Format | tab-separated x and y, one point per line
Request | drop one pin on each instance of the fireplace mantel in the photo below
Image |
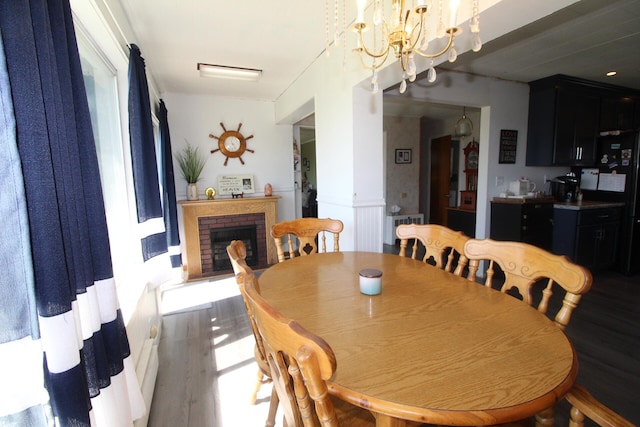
193	210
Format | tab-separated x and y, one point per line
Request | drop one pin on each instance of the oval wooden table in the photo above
432	347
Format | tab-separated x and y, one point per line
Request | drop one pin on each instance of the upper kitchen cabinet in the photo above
619	112
563	122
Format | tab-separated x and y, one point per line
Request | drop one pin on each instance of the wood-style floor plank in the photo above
207	369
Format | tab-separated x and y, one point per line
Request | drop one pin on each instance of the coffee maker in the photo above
565	187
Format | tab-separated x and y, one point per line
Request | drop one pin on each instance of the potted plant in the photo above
191	163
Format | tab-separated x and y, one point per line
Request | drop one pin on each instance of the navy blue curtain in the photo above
143	157
169	189
67	224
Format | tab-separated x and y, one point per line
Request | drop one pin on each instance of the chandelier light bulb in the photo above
412	78
360	5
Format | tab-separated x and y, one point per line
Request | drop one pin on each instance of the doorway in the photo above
305	167
440	188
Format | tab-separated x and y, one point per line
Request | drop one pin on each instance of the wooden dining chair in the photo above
303	236
441	244
584	405
301	363
524	266
237	254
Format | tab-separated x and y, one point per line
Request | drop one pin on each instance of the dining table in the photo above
432	347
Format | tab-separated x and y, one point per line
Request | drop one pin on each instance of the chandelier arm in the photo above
451	32
404	65
362	48
374	67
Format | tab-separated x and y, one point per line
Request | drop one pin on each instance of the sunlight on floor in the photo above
190	296
237	369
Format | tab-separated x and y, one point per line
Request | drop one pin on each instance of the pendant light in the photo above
464	127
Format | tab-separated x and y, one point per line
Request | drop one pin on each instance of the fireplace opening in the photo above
220	239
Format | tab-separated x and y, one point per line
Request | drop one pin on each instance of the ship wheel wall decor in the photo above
232	143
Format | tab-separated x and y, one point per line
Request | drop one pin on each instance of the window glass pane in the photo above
101	86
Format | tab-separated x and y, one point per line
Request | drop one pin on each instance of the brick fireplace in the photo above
217	231
201	217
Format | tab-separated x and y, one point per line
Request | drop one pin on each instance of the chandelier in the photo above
406	33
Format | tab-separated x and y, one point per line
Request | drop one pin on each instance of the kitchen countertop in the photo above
523	200
586	204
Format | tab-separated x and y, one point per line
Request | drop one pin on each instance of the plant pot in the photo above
192	192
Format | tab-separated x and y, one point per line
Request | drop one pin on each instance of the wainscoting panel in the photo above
369	223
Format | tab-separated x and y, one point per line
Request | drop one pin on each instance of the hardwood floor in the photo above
207	369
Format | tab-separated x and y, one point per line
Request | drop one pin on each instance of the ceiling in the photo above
583	40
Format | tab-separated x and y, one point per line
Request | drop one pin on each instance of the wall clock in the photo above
232	144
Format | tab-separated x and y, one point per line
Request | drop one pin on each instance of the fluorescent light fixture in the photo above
232	73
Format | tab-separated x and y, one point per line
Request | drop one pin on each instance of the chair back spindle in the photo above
305	236
441	244
523	266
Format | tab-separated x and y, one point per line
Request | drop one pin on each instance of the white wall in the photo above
193	118
334	91
402	179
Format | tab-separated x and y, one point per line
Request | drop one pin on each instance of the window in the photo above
105	85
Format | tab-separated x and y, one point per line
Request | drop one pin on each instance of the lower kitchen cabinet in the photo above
528	221
462	220
589	237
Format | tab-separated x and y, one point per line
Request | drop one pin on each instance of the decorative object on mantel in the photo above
235	184
268	189
210	193
406	33
232	143
191	164
237	196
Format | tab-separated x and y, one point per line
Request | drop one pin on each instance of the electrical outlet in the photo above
499	181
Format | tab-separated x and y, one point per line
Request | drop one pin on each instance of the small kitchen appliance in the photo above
521	187
565	187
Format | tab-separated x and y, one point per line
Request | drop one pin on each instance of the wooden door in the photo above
440	179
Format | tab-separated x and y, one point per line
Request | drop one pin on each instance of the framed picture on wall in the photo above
403	155
508	145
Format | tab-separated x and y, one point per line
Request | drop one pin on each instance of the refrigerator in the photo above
616	179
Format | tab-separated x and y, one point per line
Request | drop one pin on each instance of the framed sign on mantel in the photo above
235	184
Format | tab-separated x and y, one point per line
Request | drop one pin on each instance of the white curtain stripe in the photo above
87	307
60	341
150	227
106	294
22	376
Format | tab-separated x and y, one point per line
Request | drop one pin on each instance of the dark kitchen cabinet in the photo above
618	112
589	236
529	222
563	122
462	220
